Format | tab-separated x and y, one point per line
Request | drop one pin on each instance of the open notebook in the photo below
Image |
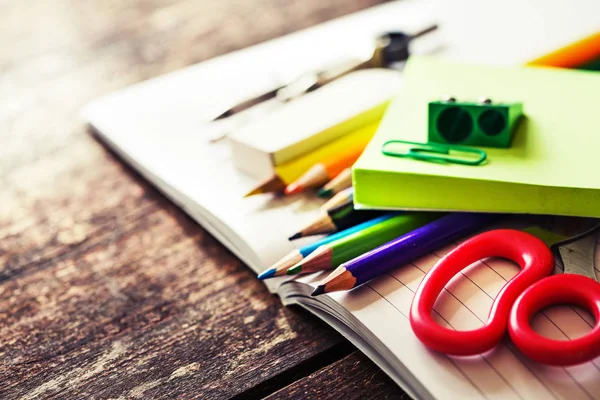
160	127
375	318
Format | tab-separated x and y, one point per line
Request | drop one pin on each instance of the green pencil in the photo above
333	254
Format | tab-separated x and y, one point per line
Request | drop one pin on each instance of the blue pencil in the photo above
403	250
297	255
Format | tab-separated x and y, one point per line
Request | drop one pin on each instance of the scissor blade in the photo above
578	256
555	230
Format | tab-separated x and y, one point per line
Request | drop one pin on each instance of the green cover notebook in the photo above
551	168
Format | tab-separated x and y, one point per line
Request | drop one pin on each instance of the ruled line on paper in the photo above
505	270
560	328
526	365
553	390
587	319
451	361
483	357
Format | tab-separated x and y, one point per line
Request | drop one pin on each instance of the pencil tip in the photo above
324	193
296	269
296	235
319	290
293	188
267	274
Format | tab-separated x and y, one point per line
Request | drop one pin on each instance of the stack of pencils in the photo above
358	244
327	169
364	244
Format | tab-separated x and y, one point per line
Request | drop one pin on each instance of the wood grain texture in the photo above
106	289
352	377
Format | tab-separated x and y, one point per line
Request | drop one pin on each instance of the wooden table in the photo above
107	290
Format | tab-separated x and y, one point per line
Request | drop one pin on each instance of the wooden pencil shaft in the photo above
270	185
340	182
319	260
338	200
315	176
323	224
339	280
289	260
320	173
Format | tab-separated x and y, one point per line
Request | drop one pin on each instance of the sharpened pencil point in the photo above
267	274
325	193
319	290
253	192
296	235
296	269
274	184
293	188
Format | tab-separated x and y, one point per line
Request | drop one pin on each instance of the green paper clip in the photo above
435	152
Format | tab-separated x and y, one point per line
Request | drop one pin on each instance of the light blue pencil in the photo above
297	255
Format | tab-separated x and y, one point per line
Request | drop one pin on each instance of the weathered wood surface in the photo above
106	289
353	377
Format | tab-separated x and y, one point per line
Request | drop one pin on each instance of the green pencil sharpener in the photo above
480	123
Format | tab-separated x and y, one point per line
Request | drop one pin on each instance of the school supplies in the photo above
576	55
288	172
403	250
434	152
337	219
390	48
343	197
303	125
160	127
341	182
334	253
467	123
297	255
547	169
522	297
322	172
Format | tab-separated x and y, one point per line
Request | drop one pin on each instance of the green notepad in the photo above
553	166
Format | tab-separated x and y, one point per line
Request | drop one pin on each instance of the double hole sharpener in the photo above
480	123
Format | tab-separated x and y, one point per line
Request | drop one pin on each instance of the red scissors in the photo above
521	297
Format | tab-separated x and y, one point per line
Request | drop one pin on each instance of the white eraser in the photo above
314	119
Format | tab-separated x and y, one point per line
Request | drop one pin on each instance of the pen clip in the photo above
434	152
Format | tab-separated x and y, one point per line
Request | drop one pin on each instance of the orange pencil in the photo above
323	172
571	56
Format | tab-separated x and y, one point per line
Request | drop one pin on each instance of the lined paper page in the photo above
504	373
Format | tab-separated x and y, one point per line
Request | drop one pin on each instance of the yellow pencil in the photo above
337	184
288	172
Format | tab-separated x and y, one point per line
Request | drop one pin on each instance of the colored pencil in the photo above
337	219
297	255
574	55
343	197
325	171
403	250
273	184
337	184
288	172
331	255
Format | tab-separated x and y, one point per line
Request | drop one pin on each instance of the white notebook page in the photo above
383	306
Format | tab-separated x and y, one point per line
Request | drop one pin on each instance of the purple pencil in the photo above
403	250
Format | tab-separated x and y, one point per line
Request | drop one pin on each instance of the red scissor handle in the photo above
558	289
530	253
